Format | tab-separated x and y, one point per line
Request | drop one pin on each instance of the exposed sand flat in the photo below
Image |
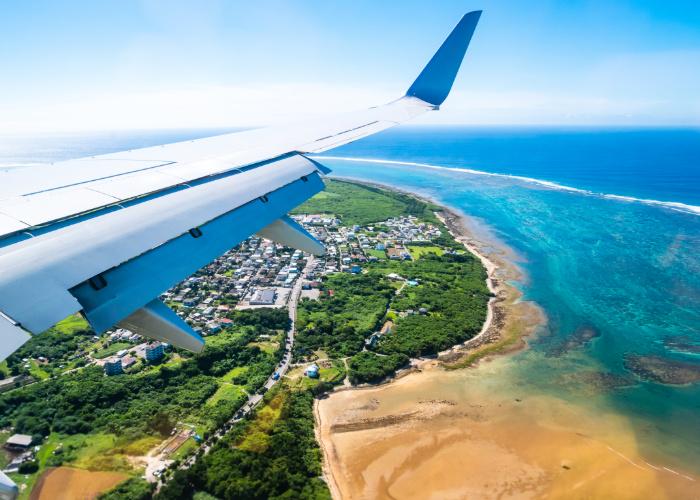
471	441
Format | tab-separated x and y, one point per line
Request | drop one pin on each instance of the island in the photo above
122	417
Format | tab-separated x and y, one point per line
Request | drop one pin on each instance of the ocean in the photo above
604	223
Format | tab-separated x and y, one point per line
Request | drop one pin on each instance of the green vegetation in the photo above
334	374
418	251
134	488
339	323
60	345
150	402
36	370
272	455
368	367
446	306
380	254
228	392
87	420
453	294
72	324
112	349
355	204
264	318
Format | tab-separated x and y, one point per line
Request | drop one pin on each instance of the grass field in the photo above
72	324
111	349
266	346
257	438
331	374
36	370
222	338
363	204
226	391
380	254
239	370
185	449
418	251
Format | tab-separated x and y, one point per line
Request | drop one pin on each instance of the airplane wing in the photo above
106	235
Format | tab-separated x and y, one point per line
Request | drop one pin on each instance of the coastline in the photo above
437	431
503	331
498	334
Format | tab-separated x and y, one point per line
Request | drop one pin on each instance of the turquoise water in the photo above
626	269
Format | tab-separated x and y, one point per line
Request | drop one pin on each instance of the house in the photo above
395	253
128	361
14	465
154	351
113	367
312	371
18	442
263	298
387	328
371	342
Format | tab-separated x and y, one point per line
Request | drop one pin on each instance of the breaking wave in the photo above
672	205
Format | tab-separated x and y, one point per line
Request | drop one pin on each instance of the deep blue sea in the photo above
605	224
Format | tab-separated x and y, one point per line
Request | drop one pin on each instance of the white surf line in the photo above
650	465
625	458
672	205
678	473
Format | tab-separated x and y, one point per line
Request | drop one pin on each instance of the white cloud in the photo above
255	105
191	107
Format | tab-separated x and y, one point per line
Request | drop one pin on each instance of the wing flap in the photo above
30	180
11	225
156	321
11	336
287	232
131	186
48	206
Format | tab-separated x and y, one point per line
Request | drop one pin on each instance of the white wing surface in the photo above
106	235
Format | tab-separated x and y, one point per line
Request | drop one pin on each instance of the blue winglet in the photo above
435	81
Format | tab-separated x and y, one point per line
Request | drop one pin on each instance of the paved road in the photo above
281	370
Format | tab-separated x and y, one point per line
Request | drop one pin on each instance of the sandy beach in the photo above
458	428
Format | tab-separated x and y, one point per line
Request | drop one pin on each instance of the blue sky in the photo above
81	65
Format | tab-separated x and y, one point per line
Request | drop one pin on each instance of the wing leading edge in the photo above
106	235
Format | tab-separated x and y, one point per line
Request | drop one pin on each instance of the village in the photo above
257	273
